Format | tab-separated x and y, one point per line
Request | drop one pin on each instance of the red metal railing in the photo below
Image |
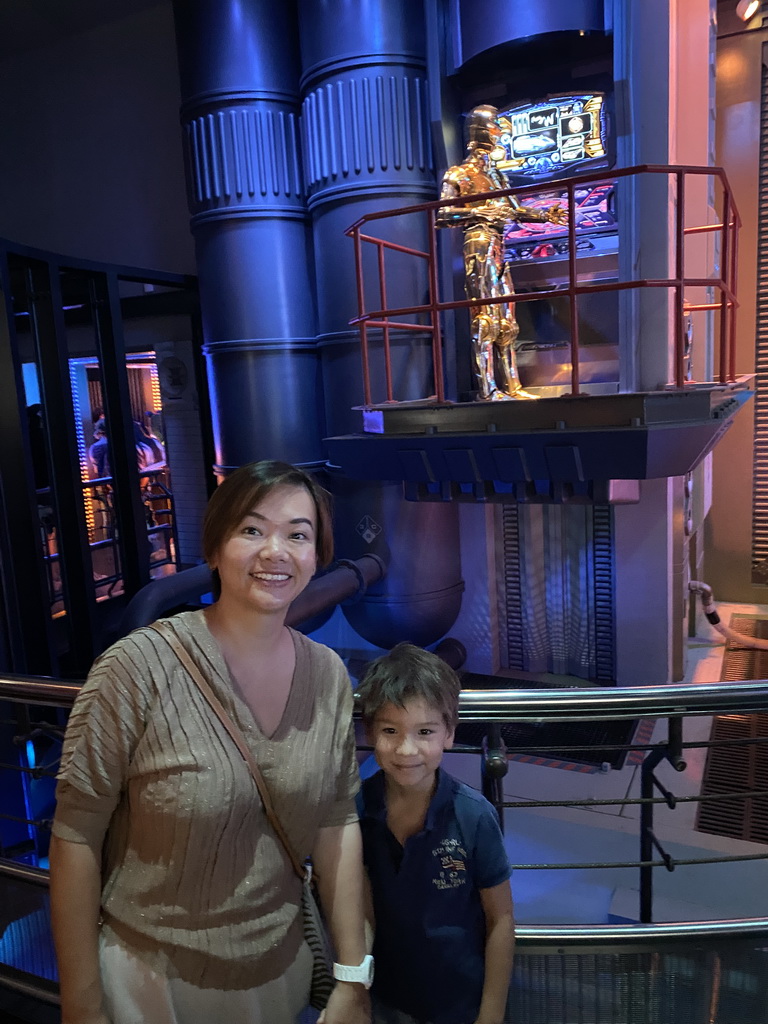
724	283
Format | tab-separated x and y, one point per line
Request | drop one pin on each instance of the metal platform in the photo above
584	448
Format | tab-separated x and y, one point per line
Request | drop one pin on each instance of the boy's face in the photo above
409	742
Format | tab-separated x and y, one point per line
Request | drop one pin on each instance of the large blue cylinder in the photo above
239	75
367	148
367	145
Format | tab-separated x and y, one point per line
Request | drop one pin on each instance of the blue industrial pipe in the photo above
368	147
238	65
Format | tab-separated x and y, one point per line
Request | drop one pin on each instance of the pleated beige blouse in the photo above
195	882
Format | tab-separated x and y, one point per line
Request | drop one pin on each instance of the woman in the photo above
172	901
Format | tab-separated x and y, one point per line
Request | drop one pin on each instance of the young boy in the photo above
439	874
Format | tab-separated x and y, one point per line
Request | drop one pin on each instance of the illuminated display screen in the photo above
595	213
555	137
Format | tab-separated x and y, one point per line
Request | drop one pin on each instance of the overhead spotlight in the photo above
747	8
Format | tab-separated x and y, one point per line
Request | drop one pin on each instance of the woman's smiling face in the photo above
271	556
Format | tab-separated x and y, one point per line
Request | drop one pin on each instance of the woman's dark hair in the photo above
409	673
249	485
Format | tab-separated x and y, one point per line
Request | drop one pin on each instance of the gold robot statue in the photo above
494	327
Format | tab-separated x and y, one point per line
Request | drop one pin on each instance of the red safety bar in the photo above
724	283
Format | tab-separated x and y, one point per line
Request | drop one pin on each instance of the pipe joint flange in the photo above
362	586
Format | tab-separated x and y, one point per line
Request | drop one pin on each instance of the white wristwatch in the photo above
363	974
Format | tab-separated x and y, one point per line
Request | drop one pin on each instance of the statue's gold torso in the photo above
475	175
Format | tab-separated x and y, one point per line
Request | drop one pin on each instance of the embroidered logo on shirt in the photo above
451	865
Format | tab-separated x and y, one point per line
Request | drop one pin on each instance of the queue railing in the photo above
389	318
692	972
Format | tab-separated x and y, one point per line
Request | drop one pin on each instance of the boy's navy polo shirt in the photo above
429	945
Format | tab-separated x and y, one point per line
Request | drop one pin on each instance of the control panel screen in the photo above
595	214
558	136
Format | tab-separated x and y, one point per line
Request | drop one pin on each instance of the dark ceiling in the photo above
26	24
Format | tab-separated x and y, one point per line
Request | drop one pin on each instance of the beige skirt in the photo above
134	994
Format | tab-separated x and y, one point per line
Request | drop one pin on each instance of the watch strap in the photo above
362	974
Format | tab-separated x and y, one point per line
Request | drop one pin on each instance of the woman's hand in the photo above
349	1004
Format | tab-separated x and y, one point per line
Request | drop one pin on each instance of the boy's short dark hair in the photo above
409	673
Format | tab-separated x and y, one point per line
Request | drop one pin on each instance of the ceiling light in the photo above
747	8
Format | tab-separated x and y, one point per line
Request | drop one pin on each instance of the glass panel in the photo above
38	430
92	430
158	333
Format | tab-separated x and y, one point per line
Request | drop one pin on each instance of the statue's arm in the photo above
554	214
455	184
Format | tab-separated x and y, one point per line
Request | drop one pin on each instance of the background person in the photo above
98	453
150	451
172	900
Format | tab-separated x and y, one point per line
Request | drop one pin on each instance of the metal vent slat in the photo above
603	582
738	769
510	527
760	455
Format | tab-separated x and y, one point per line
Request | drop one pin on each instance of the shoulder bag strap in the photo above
237	737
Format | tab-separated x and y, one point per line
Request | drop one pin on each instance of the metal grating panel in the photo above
738	769
603	571
760	456
690	986
561	619
513	604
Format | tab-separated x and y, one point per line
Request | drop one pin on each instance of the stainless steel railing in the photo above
548	948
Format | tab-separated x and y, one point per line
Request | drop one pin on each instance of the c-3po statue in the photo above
494	327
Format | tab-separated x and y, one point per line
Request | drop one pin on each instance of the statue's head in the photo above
483	129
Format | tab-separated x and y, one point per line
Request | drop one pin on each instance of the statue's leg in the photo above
506	364
483	347
507	377
483	317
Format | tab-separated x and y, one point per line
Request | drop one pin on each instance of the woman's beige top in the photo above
195	881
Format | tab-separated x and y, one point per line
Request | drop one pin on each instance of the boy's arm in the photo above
370	919
499	951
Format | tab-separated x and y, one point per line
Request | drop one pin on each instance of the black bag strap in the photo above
237	737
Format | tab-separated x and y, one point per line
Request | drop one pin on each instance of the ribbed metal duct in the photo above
239	80
367	144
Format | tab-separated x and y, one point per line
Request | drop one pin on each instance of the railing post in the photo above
437	341
494	767
724	280
733	267
649	765
360	313
385	329
679	287
572	283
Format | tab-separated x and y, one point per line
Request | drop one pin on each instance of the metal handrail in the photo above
44	690
580	704
672	701
590	703
23	872
646	934
722	279
570	934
